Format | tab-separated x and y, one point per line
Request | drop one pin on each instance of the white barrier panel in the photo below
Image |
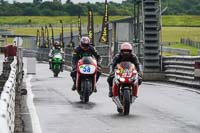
7	102
4	128
31	65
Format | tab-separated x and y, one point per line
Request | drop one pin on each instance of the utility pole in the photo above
62	34
52	34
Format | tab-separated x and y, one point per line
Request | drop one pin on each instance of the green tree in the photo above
175	7
28	11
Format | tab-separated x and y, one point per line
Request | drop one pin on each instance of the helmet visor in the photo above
85	45
126	52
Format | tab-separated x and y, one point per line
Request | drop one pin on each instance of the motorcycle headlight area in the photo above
121	79
87	69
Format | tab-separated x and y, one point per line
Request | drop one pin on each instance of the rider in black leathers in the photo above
84	49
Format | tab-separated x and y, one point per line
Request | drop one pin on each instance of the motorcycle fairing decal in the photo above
87	69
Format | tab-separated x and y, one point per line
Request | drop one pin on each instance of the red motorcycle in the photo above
86	77
125	86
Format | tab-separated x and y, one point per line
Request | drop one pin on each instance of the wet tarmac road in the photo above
160	107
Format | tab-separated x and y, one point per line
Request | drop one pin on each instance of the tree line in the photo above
126	8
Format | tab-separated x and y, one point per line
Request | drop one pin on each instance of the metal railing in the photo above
189	42
180	69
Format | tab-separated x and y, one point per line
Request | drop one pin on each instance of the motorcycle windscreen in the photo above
57	55
126	65
88	60
126	70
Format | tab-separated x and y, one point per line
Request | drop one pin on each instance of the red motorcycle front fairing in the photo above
86	70
125	76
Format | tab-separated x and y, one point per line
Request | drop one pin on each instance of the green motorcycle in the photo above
57	61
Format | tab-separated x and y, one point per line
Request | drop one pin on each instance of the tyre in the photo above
56	70
86	85
126	102
55	74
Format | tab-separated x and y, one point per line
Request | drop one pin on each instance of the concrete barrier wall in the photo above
7	95
7	102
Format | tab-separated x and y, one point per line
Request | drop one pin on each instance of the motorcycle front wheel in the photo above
85	90
126	102
55	74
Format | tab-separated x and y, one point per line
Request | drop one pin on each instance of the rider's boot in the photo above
95	89
61	68
133	98
74	85
50	66
110	94
117	102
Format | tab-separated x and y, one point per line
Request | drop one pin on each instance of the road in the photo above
159	108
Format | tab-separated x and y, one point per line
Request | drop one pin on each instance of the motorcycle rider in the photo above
84	49
10	51
125	54
56	48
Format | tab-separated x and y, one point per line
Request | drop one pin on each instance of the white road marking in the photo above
33	113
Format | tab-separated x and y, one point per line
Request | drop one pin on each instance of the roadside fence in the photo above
190	42
182	70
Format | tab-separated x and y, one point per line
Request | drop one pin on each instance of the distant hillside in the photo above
182	7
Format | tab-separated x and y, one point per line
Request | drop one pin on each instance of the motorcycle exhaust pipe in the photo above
117	102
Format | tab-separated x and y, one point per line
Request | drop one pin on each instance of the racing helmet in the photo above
85	42
126	49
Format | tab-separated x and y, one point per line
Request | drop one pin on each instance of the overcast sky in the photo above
74	1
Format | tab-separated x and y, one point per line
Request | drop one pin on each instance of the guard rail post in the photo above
197	70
